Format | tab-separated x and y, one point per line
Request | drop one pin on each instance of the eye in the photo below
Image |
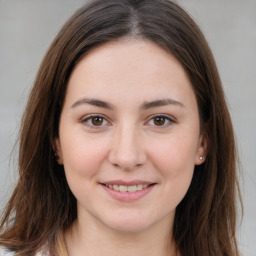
161	121
95	121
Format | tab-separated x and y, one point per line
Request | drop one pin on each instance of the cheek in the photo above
174	153
82	162
82	156
175	160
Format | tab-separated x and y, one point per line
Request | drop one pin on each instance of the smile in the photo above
122	191
123	188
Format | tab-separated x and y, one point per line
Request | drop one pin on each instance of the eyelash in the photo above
89	118
167	121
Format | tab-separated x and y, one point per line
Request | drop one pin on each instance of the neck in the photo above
93	239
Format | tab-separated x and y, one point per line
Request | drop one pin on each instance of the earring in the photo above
201	158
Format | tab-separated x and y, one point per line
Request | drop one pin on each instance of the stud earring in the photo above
201	158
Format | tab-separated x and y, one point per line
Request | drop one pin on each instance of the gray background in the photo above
27	27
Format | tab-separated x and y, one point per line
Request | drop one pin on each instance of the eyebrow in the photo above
145	105
93	102
160	103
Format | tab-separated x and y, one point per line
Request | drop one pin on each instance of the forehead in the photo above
131	69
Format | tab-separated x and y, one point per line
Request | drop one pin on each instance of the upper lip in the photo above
127	183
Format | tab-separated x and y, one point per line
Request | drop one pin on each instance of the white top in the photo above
5	252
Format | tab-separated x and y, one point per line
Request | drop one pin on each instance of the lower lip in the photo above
128	196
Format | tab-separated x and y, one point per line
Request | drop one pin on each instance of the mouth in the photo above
128	191
124	188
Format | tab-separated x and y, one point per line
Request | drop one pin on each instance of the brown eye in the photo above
97	121
159	120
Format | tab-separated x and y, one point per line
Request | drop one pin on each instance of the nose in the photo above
127	149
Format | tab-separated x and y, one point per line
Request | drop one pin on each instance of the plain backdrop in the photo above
27	28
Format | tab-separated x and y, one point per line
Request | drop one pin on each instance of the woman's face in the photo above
129	136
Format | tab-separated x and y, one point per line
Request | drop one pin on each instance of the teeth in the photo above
123	188
140	187
115	187
132	188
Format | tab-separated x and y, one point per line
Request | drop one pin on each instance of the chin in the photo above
128	227
130	224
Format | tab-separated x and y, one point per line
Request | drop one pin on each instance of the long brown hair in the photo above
42	206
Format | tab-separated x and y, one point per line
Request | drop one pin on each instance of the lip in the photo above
128	196
127	183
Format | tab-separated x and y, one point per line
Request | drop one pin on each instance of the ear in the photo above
202	149
58	151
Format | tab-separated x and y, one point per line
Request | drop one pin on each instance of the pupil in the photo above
97	121
159	120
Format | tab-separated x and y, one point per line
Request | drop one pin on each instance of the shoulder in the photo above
4	252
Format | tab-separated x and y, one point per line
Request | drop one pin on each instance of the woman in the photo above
126	144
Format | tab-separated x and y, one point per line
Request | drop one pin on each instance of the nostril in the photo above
127	153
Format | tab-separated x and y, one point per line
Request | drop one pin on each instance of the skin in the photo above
131	140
